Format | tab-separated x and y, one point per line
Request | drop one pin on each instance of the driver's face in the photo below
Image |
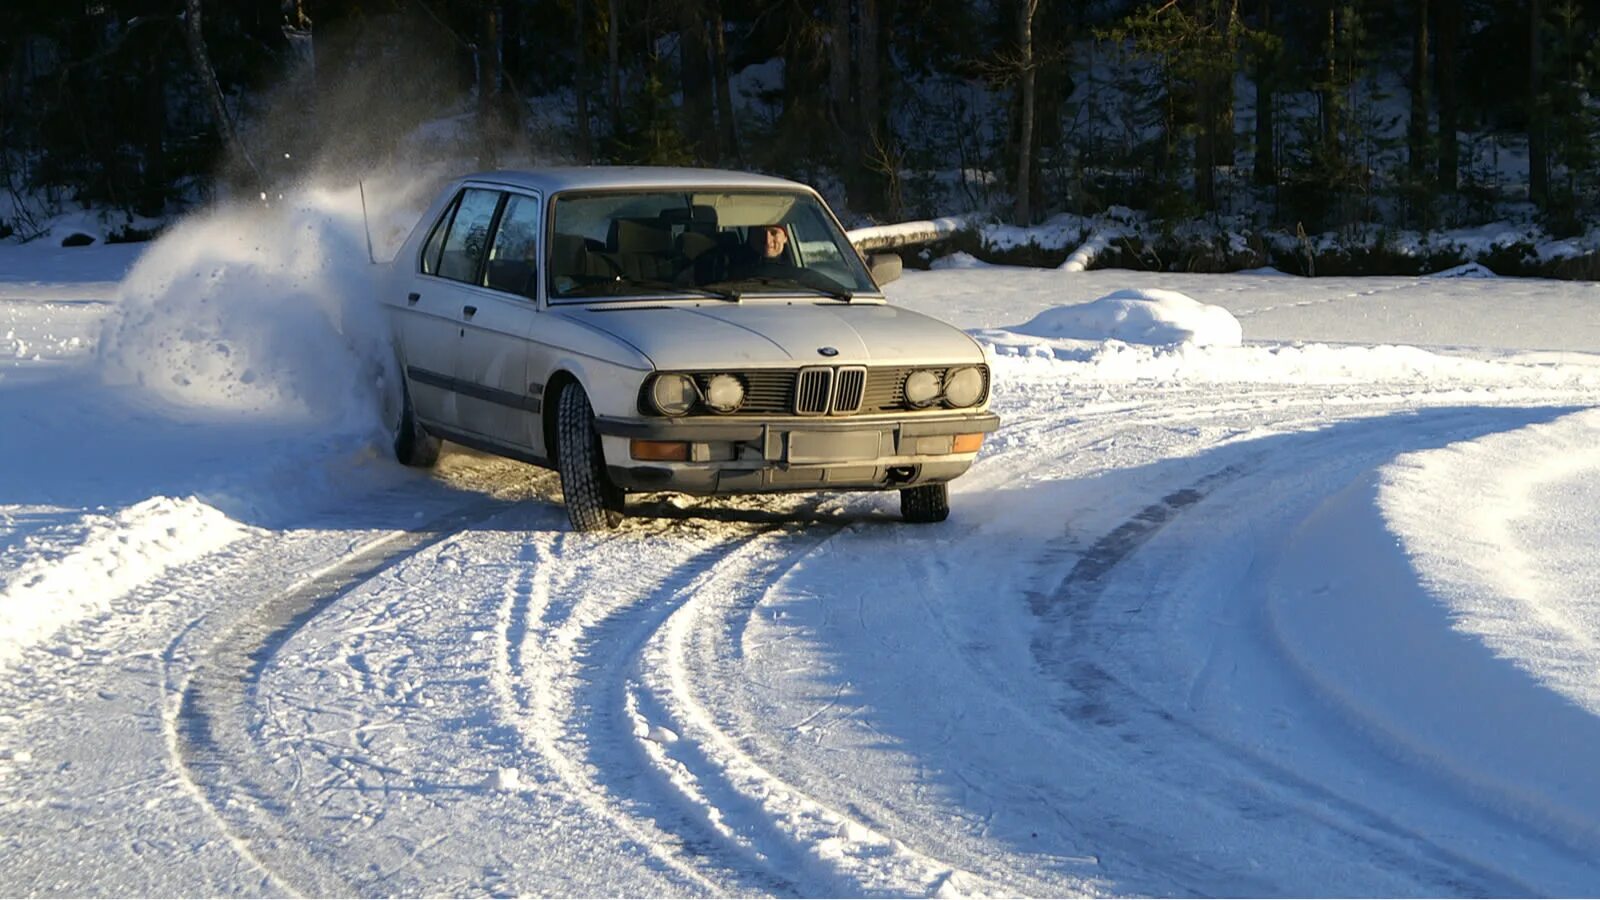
769	240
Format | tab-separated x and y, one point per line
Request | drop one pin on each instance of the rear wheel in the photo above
925	503
593	502
413	445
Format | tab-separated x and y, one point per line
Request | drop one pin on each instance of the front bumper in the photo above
793	453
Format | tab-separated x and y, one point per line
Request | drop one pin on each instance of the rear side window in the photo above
468	238
430	252
514	258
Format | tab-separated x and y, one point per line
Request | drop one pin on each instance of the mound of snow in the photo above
1150	316
958	260
108	556
1469	270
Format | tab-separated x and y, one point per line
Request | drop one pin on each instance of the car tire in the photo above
593	502
925	503
413	445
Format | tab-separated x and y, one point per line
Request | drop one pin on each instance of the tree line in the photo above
1318	115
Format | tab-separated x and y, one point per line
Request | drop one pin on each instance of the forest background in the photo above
1254	124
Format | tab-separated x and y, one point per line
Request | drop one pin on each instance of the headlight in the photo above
674	395
922	387
724	393
964	387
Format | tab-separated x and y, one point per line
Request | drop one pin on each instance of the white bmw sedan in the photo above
689	330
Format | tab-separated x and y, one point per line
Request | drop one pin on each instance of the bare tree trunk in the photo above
694	66
1266	169
1418	133
839	63
212	90
614	65
842	109
869	88
1449	25
490	133
869	93
580	81
1023	212
1538	152
153	185
727	134
1328	99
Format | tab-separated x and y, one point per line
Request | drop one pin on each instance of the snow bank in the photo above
105	557
1466	270
1455	687
1503	531
1040	359
1148	316
254	309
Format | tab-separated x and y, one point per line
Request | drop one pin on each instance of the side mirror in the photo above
885	267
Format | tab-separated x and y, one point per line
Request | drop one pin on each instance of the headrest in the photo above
633	236
566	252
691	243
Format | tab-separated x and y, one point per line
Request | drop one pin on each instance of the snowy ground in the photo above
1313	614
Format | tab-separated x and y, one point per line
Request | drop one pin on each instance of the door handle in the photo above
412	298
469	311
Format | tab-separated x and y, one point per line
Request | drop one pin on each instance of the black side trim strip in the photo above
487	445
475	391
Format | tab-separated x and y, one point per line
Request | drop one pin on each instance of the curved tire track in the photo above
1079	634
207	720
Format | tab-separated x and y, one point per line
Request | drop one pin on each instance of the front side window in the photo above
464	246
514	257
699	243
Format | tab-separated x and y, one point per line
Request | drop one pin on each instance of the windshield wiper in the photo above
731	296
630	285
828	290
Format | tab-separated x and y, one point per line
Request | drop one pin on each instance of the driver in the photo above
768	241
763	248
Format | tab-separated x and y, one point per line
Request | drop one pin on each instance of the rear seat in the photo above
643	249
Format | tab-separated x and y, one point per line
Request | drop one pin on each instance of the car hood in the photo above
699	336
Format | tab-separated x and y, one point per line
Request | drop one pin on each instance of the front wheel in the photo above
925	503
593	502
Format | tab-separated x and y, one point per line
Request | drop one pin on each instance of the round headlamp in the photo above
674	395
963	387
922	387
724	393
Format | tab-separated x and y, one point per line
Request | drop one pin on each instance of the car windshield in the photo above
699	243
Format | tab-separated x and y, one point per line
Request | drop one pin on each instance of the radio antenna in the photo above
365	225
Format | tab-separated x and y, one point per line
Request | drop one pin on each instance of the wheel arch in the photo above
558	382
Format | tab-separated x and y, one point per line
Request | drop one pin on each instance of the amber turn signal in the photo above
967	443
661	451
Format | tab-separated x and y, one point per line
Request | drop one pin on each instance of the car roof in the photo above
562	178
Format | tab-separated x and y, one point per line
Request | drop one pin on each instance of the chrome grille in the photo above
766	391
813	391
886	389
849	386
853	390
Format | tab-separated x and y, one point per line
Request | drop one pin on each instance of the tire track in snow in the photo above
569	715
769	817
206	717
1073	636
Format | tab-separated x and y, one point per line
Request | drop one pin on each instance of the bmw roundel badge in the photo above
827	351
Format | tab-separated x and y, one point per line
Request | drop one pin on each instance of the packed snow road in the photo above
1279	618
